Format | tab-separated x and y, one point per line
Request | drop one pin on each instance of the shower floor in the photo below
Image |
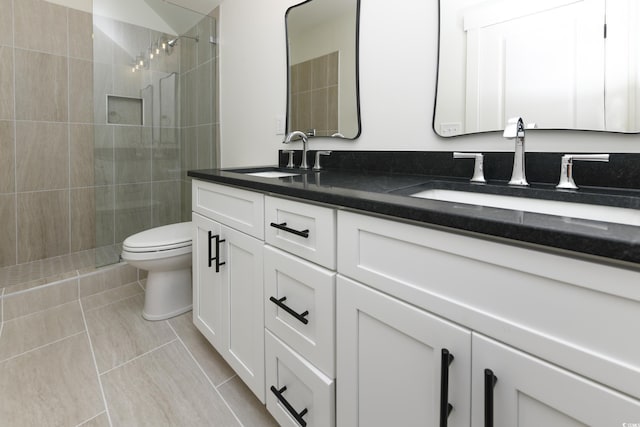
29	275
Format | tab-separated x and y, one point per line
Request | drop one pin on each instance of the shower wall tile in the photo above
132	209
203	94
7	229
80	31
7	156
189	98
333	67
205	146
125	82
82	155
41	86
80	91
43	225
186	200
103	155
105	214
6	22
6	83
41	26
304	76
166	159
42	153
132	145
188	52
319	108
102	86
189	154
165	205
319	71
83	219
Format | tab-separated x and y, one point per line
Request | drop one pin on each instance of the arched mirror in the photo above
322	66
563	64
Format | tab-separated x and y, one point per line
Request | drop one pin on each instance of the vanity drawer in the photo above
239	209
307	392
306	230
302	287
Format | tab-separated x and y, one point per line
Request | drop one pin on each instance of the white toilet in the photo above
165	252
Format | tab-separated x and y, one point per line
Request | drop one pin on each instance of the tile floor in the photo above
88	358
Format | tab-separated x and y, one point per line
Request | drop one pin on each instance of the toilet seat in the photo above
174	237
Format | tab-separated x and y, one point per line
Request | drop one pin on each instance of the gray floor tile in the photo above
245	404
208	358
101	420
101	299
55	385
35	330
164	388
119	333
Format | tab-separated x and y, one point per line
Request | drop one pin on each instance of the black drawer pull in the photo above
297	416
280	303
490	381
217	257
445	406
283	227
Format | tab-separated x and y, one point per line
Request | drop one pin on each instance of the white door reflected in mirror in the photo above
548	60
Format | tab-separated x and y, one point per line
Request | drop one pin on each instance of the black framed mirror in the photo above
562	64
323	97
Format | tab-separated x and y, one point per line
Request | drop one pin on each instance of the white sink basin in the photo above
272	174
549	207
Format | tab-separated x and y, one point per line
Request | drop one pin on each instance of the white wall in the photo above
398	63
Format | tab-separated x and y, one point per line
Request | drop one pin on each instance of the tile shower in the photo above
71	182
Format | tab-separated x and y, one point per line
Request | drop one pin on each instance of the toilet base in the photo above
167	294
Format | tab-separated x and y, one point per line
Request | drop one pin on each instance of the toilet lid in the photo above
163	238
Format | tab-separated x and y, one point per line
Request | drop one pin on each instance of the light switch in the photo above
280	125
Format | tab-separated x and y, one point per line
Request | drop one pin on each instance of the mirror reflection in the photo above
322	96
563	64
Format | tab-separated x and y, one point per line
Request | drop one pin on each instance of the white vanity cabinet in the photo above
523	391
394	360
554	330
228	303
299	274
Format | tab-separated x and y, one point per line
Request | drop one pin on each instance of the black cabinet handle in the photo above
217	257
283	227
445	406
297	416
280	303
490	381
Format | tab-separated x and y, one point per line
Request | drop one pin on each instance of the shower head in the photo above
173	42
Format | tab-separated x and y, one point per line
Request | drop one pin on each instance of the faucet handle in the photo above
290	153
316	165
478	167
514	128
566	168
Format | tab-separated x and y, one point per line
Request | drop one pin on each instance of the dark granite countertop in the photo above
387	194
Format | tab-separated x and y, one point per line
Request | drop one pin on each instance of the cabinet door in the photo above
529	392
243	311
207	284
389	362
